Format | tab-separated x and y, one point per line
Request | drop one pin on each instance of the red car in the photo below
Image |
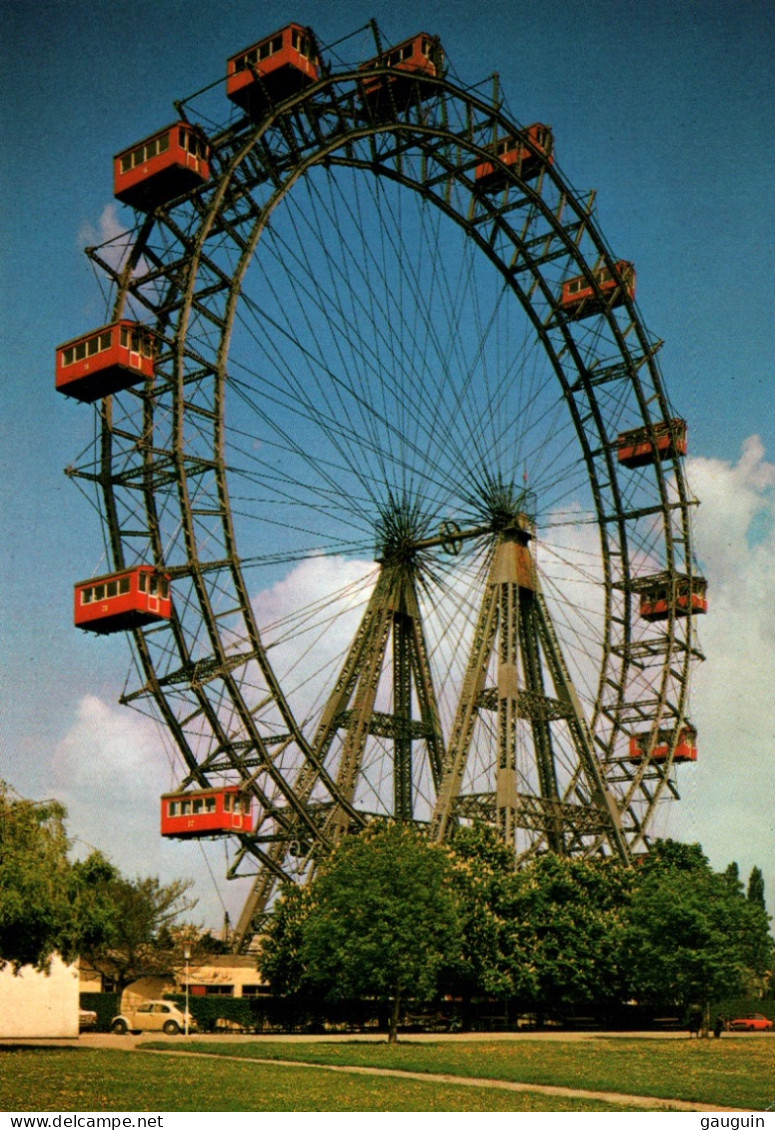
751	1022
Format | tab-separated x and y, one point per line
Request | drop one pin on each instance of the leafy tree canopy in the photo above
732	876
143	938
380	920
280	951
48	904
568	918
692	935
755	892
548	933
670	855
394	917
483	870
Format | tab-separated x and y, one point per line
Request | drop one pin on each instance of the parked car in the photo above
87	1020
751	1022
153	1016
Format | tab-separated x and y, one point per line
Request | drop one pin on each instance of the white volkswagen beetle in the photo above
153	1016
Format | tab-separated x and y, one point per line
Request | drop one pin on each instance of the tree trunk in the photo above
393	1024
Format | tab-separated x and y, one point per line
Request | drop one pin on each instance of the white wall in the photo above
34	1004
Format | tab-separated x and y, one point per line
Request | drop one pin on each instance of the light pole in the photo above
187	956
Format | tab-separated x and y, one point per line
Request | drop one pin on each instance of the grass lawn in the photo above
731	1072
87	1079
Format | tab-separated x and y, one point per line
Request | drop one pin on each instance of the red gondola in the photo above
420	55
120	601
526	152
636	448
105	361
580	297
273	69
685	749
161	167
207	812
659	594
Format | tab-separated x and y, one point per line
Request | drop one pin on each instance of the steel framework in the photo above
378	460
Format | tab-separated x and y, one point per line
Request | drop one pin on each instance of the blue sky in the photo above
665	109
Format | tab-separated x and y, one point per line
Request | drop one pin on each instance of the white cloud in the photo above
109	234
114	241
734	523
729	799
315	610
109	770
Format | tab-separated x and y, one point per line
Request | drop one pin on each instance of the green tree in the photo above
142	940
570	916
48	904
755	892
670	855
560	934
555	935
548	935
692	935
556	925
483	868
280	959
732	876
379	920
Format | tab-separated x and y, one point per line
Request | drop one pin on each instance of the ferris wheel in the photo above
392	490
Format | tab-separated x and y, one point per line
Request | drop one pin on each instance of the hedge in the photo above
106	1005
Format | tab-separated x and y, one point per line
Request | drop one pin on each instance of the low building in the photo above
225	975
